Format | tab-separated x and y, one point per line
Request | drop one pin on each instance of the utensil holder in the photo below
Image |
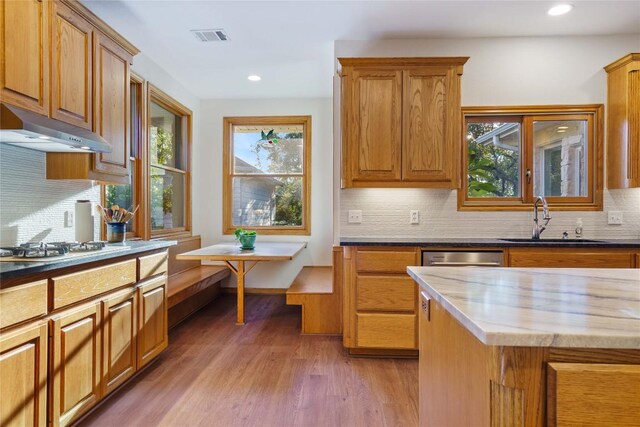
116	232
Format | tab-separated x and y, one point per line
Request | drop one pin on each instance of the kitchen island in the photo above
529	347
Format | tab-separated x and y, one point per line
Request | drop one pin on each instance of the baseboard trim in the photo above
256	291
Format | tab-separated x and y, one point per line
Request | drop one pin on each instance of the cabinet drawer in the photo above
593	394
397	331
386	293
86	284
384	261
152	265
570	259
23	302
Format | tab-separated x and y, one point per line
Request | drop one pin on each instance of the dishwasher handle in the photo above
469	264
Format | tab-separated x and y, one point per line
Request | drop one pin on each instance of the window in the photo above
267	177
129	195
169	135
515	154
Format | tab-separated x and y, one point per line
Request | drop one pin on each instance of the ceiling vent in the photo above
215	35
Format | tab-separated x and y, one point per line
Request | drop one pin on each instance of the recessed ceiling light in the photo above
560	9
84	147
43	137
254	78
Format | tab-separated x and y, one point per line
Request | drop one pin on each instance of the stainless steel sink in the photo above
530	240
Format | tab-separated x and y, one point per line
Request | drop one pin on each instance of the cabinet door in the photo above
375	126
71	67
152	319
24	49
75	363
623	122
119	331
429	130
111	108
23	370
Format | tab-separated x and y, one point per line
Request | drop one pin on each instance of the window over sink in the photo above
513	154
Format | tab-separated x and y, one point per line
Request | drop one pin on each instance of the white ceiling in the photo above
290	43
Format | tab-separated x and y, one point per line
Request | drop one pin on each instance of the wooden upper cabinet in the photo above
112	106
623	122
431	126
375	125
401	122
71	67
90	70
24	49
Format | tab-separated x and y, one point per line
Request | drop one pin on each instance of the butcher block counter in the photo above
529	346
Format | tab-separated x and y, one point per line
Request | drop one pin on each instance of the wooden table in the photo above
228	252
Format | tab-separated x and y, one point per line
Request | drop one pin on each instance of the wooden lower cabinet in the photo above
76	350
572	258
119	332
153	334
379	300
23	366
464	382
592	394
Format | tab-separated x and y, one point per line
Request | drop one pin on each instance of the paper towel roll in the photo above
84	221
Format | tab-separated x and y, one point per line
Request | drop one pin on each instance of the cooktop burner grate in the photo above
53	249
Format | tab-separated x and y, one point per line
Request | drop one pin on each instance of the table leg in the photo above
240	274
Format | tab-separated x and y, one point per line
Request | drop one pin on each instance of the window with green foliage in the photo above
514	154
267	174
169	139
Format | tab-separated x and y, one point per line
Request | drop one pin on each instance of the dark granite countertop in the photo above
10	269
486	242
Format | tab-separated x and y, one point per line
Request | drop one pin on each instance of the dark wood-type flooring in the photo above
263	374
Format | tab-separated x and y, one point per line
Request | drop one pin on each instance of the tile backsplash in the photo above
32	208
385	213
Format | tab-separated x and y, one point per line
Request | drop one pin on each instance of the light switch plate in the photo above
355	217
615	217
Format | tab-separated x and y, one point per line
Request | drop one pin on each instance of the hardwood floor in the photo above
265	373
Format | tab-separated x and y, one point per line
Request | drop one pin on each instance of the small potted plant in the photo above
246	238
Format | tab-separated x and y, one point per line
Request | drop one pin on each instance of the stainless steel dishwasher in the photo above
462	258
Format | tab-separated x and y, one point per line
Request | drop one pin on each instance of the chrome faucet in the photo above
538	229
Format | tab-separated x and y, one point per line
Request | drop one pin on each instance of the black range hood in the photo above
26	129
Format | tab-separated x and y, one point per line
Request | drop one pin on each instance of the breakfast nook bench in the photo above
191	285
320	296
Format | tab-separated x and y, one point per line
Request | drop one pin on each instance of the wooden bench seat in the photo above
189	282
321	305
190	285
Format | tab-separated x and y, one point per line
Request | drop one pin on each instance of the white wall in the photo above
207	174
500	71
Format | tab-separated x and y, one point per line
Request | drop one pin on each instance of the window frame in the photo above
156	95
228	175
136	155
594	162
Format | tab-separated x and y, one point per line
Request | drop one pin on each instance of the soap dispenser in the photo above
579	228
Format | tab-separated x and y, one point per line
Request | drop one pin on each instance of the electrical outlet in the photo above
615	217
355	217
414	217
68	219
